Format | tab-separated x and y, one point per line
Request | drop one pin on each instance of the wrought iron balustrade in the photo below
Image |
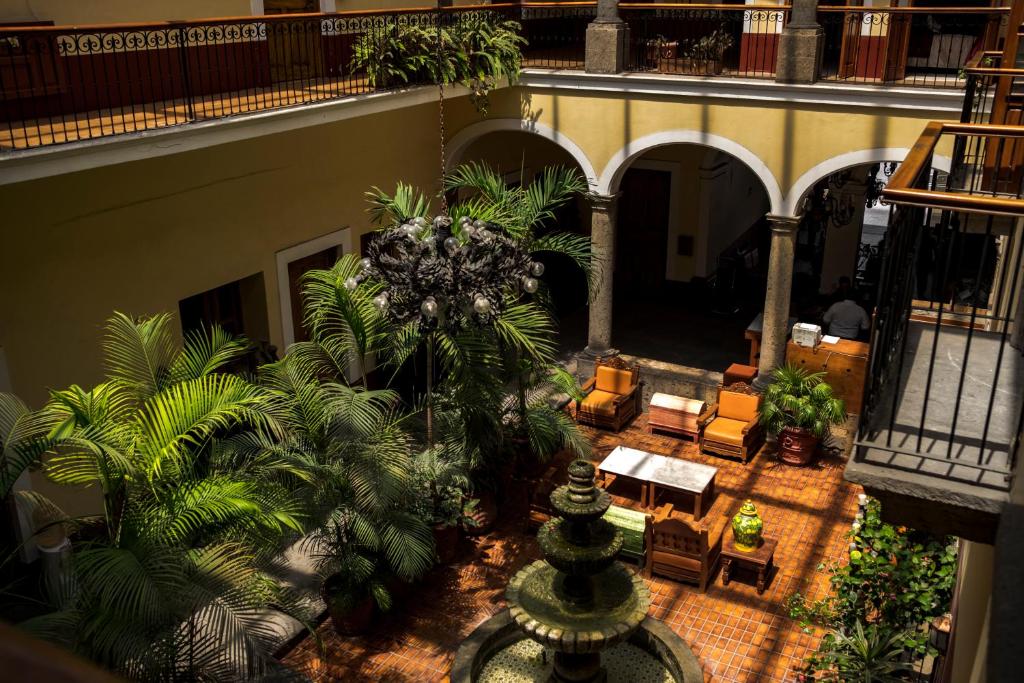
705	40
993	94
945	388
63	84
913	46
556	33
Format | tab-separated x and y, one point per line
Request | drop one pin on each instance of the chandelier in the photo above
445	273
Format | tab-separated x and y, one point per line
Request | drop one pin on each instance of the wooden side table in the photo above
760	559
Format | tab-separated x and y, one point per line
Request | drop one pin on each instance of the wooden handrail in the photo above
257	19
708	6
860	9
902	186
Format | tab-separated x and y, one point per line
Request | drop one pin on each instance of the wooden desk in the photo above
653	470
761	560
753	335
844	363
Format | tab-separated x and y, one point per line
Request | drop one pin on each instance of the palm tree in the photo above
480	366
167	581
353	444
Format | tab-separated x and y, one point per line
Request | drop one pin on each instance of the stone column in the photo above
602	241
776	301
607	40
800	45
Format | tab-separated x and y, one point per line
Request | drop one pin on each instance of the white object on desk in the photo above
830	339
806	334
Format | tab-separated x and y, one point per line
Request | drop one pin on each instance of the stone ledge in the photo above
939	505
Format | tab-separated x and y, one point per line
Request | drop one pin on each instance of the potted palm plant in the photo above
442	482
800	409
704	55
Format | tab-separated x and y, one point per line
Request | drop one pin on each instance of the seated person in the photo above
846	318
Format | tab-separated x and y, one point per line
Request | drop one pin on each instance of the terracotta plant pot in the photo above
797	446
446	542
350	621
484	516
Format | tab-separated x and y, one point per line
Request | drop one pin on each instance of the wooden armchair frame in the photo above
682	550
627	406
753	433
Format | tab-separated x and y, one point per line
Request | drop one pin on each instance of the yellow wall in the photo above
141	236
113	11
973	608
789	138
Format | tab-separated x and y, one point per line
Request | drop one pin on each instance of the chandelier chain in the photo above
440	106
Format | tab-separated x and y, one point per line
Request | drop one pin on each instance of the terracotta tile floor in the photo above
736	634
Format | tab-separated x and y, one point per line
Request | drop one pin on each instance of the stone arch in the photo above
611	176
457	145
804	183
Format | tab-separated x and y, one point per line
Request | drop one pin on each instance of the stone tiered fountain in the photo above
578	602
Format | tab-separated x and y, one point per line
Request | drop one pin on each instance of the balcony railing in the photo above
705	40
993	94
65	84
945	391
916	46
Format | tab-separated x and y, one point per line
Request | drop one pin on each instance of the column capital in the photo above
783	225
603	202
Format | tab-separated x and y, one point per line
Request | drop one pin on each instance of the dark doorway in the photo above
641	247
322	260
240	307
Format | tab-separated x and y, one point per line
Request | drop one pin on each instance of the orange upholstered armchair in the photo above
682	550
730	427
612	394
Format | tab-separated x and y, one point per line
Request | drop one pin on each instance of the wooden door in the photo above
897	46
321	260
850	45
296	48
642	230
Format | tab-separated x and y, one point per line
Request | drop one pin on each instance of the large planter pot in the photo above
351	620
797	446
446	542
484	516
658	53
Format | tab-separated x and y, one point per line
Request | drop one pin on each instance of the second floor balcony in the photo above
944	402
61	84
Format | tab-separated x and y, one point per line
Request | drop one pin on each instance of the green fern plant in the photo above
170	581
800	399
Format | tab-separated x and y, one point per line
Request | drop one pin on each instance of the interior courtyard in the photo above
569	342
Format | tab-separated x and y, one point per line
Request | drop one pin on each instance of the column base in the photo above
760	383
593	353
607	47
799	57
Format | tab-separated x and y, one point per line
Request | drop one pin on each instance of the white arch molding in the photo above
861	157
458	143
608	183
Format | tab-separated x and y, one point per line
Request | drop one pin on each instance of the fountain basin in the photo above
500	632
573	556
539	605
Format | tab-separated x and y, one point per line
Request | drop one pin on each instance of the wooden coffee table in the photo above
654	471
760	559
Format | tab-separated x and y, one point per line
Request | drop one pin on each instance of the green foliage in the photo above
441	486
896	580
864	655
708	48
170	582
802	399
476	50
